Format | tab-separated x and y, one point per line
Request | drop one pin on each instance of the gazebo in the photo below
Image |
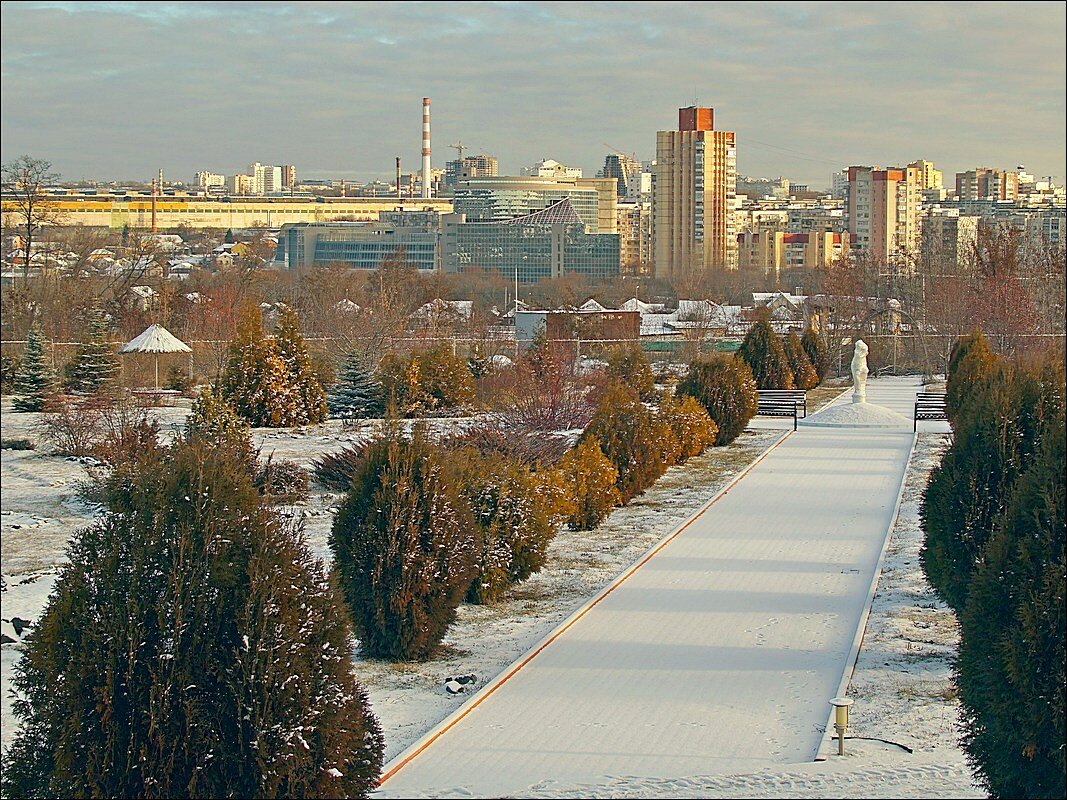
155	340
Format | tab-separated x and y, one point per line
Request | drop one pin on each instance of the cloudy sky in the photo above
118	89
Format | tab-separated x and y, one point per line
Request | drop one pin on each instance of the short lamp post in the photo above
841	705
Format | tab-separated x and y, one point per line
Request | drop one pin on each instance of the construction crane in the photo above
460	147
619	152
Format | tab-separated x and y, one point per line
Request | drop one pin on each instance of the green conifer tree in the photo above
630	366
192	647
725	387
95	364
970	362
513	516
633	438
35	380
589	478
357	394
1010	669
305	389
804	374
815	348
404	545
762	350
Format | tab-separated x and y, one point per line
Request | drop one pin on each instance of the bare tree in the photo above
25	181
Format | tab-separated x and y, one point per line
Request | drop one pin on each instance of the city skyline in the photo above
336	88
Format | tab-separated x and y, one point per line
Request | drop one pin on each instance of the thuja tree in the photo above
630	366
589	479
357	394
804	374
815	349
516	527
95	363
633	438
694	430
304	384
725	387
192	647
1010	670
993	442
762	350
257	382
970	362
35	380
404	546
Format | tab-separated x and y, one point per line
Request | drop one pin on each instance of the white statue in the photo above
859	372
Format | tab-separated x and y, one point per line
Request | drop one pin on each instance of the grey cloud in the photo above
117	89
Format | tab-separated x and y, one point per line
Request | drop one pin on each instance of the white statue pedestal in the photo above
859	413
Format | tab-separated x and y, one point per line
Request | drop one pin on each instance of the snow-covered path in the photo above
717	655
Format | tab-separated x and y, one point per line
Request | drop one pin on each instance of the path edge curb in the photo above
412	751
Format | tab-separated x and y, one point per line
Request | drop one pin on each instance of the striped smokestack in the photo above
426	147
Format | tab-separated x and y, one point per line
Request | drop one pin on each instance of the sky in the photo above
117	90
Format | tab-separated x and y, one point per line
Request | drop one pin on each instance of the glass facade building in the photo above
495	199
359	245
549	243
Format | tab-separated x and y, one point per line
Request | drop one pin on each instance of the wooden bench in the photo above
928	405
781	403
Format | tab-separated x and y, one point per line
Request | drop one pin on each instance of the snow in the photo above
895	698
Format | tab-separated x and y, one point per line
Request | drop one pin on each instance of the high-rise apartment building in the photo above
479	166
929	177
626	170
289	176
635	237
694	188
884	213
984	183
949	240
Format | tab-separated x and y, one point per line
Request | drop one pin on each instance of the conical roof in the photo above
156	339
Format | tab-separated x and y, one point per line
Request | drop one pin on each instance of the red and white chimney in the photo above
426	147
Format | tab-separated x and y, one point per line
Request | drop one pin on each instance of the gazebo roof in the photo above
156	339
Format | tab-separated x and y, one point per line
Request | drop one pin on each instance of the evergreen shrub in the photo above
630	366
633	438
762	350
514	520
589	478
404	545
95	364
694	430
192	647
804	373
815	349
970	362
724	386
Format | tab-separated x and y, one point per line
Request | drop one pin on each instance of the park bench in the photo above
782	403
799	396
928	405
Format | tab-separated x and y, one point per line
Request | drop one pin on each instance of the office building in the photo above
549	168
548	243
693	196
884	214
412	236
504	197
